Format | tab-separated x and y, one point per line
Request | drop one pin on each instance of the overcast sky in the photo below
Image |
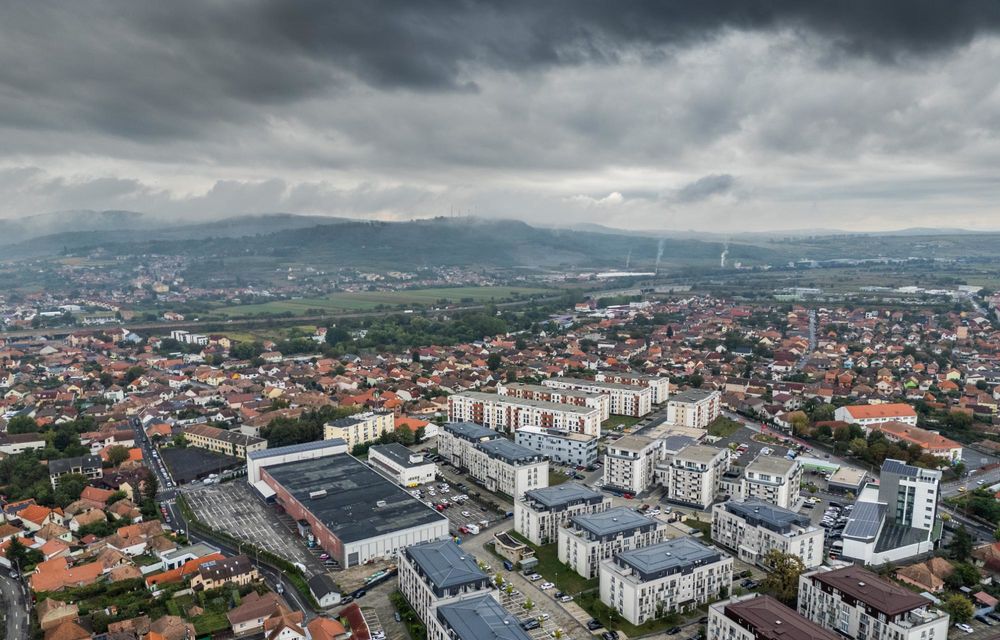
739	115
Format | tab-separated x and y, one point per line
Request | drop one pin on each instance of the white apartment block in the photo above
753	529
694	408
493	461
693	475
659	385
455	440
630	463
761	617
859	604
360	428
564	447
436	573
559	396
626	399
407	468
872	414
590	539
540	513
673	576
506	413
775	480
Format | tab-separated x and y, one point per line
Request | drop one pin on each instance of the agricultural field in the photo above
368	300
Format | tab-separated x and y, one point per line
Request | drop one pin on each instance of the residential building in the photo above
896	519
754	528
626	399
230	443
507	467
871	414
673	576
15	443
559	396
540	513
761	617
695	408
859	604
693	475
481	618
359	428
408	468
660	385
630	463
456	440
508	414
589	539
931	442
564	447
435	573
87	466
216	574
772	479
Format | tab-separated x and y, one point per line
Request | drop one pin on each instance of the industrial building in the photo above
257	460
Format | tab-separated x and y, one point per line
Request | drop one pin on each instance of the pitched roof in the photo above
890	410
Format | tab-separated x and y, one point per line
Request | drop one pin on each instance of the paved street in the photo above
15	608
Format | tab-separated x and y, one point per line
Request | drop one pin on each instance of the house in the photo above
325	590
87	466
928	576
52	612
326	629
67	630
237	570
56	575
250	615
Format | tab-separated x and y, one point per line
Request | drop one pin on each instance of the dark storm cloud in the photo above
704	188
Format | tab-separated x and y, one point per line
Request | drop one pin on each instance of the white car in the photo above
535	577
545	586
543	617
964	627
466	514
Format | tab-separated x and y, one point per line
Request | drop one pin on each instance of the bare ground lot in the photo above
189	463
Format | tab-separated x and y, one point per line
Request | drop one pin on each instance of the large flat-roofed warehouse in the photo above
355	514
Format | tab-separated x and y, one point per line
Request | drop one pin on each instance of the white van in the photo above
472	528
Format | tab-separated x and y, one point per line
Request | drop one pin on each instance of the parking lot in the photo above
188	463
459	506
541	610
232	507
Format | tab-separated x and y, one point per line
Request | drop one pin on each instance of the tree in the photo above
494	361
964	575
22	424
961	544
783	580
117	454
404	435
800	422
69	488
150	486
959	608
696	381
823	413
133	374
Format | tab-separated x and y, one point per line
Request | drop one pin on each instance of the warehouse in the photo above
257	460
355	514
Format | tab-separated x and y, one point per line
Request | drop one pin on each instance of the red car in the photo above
628	496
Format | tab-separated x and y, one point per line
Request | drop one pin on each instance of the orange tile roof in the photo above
926	439
55	575
893	410
34	513
178	574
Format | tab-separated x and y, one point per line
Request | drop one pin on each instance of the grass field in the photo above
368	300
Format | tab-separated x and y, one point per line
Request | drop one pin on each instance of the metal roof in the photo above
562	494
470	431
445	564
612	521
865	520
768	515
481	618
691	395
510	452
296	448
665	558
400	454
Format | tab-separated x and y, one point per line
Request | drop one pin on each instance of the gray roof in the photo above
691	395
597	383
865	520
699	453
541	404
296	448
349	508
198	549
612	522
322	584
676	443
561	495
445	564
481	618
901	468
399	454
470	431
767	515
510	452
65	465
665	558
771	464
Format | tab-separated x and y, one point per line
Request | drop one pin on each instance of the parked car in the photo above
545	586
566	598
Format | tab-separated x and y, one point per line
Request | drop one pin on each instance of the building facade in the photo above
360	428
753	529
564	447
587	540
230	443
693	475
407	468
508	413
540	513
867	415
775	480
435	573
630	463
660	386
694	408
759	617
507	467
559	396
625	399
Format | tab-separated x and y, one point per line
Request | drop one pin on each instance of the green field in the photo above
368	300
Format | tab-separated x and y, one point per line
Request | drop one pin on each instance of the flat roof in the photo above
676	443
770	516
699	453
224	435
445	564
349	509
562	434
771	464
848	476
631	443
771	620
612	521
510	452
863	585
296	448
481	618
540	388
539	404
562	494
691	396
470	431
597	383
901	468
665	558
399	454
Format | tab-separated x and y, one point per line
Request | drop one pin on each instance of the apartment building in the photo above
407	468
360	428
435	573
867	415
507	467
693	475
660	386
754	528
759	617
508	414
88	466
672	576
772	479
860	604
564	447
481	618
630	463
894	520
230	443
694	408
590	539
559	396
540	513
626	399
456	439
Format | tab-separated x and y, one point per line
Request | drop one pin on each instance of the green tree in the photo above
405	436
783	580
696	381
133	374
494	361
959	608
964	575
69	489
117	454
961	544
823	413
22	424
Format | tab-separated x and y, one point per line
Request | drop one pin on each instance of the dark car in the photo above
593	624
530	624
672	630
559	594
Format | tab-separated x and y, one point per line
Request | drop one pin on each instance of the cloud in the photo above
706	187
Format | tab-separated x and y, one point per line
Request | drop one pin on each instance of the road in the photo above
217	325
15	608
812	341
